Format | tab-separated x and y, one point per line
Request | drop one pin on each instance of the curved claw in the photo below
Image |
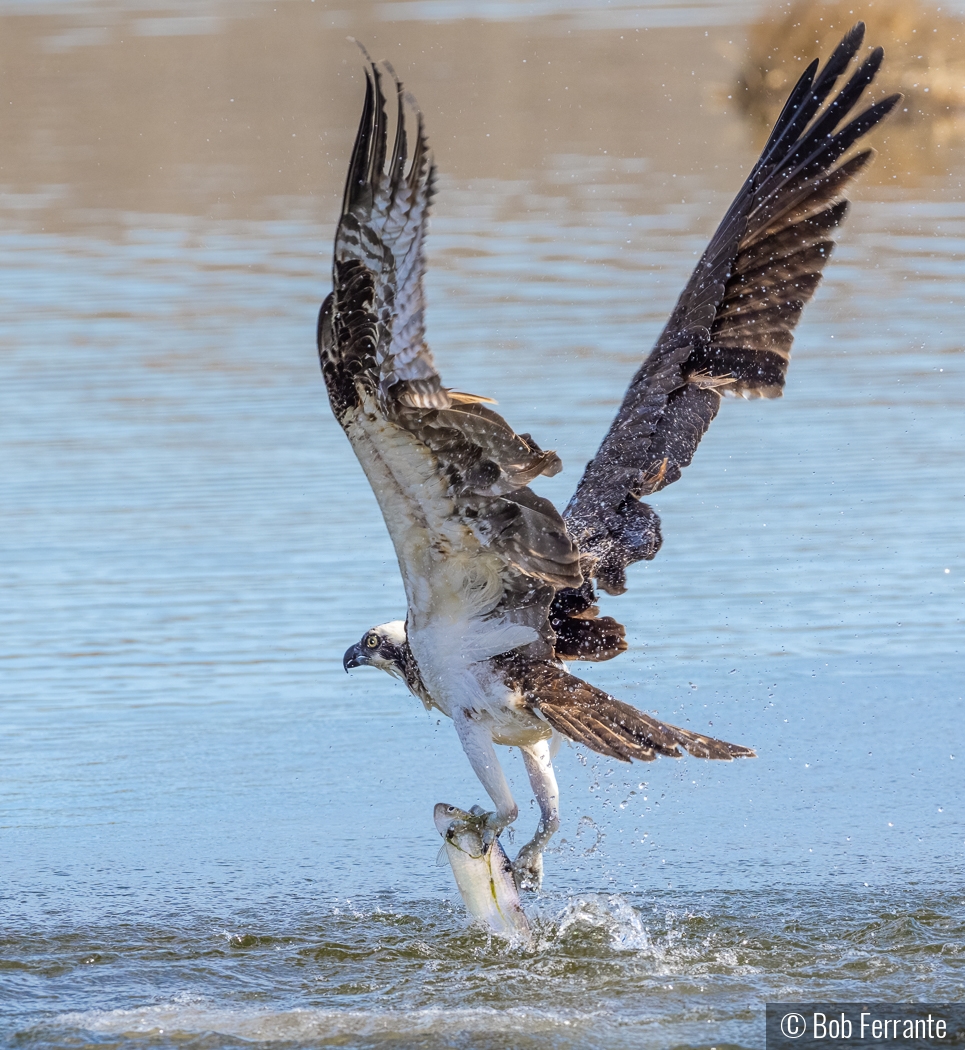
452	820
528	868
486	824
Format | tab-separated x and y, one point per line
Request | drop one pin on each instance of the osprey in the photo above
500	586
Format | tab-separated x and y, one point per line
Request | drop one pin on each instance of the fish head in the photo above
444	816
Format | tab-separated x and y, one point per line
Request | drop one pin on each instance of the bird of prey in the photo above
500	586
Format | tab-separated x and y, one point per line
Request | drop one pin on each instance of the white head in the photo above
383	647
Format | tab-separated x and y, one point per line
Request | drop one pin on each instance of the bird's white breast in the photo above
452	580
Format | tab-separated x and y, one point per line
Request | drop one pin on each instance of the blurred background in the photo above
203	819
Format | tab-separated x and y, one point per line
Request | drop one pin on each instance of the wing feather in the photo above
450	474
381	232
581	632
731	330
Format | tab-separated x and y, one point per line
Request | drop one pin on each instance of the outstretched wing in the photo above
474	543
373	323
731	329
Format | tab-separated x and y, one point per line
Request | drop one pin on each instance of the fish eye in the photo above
372	641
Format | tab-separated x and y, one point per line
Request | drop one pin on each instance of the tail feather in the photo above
610	727
584	732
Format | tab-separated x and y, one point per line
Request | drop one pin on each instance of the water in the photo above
607	971
210	836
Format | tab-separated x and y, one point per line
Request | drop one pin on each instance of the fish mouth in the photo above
353	658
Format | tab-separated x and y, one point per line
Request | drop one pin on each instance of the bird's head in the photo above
383	647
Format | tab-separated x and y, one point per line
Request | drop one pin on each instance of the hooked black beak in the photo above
353	658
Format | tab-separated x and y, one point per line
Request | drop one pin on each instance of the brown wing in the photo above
581	632
372	326
604	724
450	474
731	329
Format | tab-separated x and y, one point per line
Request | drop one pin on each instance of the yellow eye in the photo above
372	641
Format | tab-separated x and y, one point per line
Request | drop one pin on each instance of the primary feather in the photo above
731	329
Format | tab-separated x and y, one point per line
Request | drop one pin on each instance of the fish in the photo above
483	873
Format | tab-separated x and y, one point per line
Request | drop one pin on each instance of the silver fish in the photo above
483	874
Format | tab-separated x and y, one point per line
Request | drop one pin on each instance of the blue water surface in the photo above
211	836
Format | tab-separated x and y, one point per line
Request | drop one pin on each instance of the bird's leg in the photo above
478	745
528	866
